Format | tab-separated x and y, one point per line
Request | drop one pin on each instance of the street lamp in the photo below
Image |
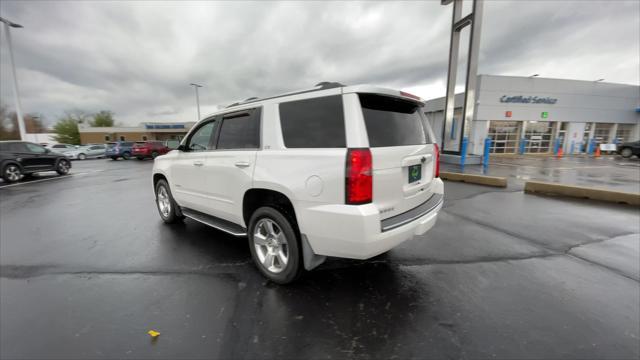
196	86
7	25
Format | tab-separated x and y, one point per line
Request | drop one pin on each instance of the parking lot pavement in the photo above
87	268
609	172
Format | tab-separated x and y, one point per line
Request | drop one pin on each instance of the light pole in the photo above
196	86
7	25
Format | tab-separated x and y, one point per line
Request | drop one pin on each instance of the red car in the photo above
149	149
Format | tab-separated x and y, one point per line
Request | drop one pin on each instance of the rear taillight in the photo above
359	180
436	157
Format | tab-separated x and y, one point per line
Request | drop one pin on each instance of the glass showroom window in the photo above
623	134
504	136
538	136
601	133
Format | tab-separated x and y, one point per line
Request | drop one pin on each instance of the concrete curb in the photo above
582	192
474	179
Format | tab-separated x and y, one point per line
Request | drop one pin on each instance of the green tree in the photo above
8	124
66	128
104	118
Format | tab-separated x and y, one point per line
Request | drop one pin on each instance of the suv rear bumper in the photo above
356	232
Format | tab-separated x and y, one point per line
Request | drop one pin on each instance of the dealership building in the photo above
143	132
534	115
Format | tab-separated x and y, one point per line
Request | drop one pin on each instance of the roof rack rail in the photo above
329	85
324	85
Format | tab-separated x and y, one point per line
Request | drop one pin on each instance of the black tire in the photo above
139	158
82	156
294	266
154	154
114	158
63	166
126	155
626	152
173	214
11	173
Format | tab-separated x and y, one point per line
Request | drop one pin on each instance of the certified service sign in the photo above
528	99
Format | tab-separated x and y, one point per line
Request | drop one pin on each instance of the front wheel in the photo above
167	207
126	155
11	173
63	167
274	245
82	156
154	154
114	158
626	153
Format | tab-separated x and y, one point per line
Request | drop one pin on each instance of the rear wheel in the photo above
626	152
126	155
63	167
82	156
114	158
167	207
139	158
274	245
11	173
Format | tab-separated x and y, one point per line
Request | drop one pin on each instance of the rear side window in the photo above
240	131
392	122
313	123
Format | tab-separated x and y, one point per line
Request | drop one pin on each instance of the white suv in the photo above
343	171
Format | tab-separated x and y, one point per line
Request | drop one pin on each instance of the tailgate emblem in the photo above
382	211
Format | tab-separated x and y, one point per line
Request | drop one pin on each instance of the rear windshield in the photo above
392	121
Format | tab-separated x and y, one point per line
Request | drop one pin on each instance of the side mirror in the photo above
181	148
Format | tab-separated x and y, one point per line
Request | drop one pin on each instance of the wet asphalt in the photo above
87	268
611	172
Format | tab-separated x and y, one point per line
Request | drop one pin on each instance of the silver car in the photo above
63	148
87	152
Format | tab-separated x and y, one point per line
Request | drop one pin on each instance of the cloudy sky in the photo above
137	58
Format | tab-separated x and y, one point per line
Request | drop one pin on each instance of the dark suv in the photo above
21	158
118	149
629	148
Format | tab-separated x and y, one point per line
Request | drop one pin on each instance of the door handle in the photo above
198	163
242	164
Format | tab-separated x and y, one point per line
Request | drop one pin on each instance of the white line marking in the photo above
41	180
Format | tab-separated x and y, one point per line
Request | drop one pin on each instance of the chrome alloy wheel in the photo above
164	203
12	173
63	166
271	245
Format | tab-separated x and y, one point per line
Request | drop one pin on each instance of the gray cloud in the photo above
137	58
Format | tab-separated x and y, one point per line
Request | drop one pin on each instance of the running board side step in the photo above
214	222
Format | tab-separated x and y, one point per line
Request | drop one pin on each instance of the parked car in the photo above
343	171
149	149
629	148
87	152
119	149
62	148
21	158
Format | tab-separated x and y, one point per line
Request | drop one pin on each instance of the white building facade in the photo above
538	115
